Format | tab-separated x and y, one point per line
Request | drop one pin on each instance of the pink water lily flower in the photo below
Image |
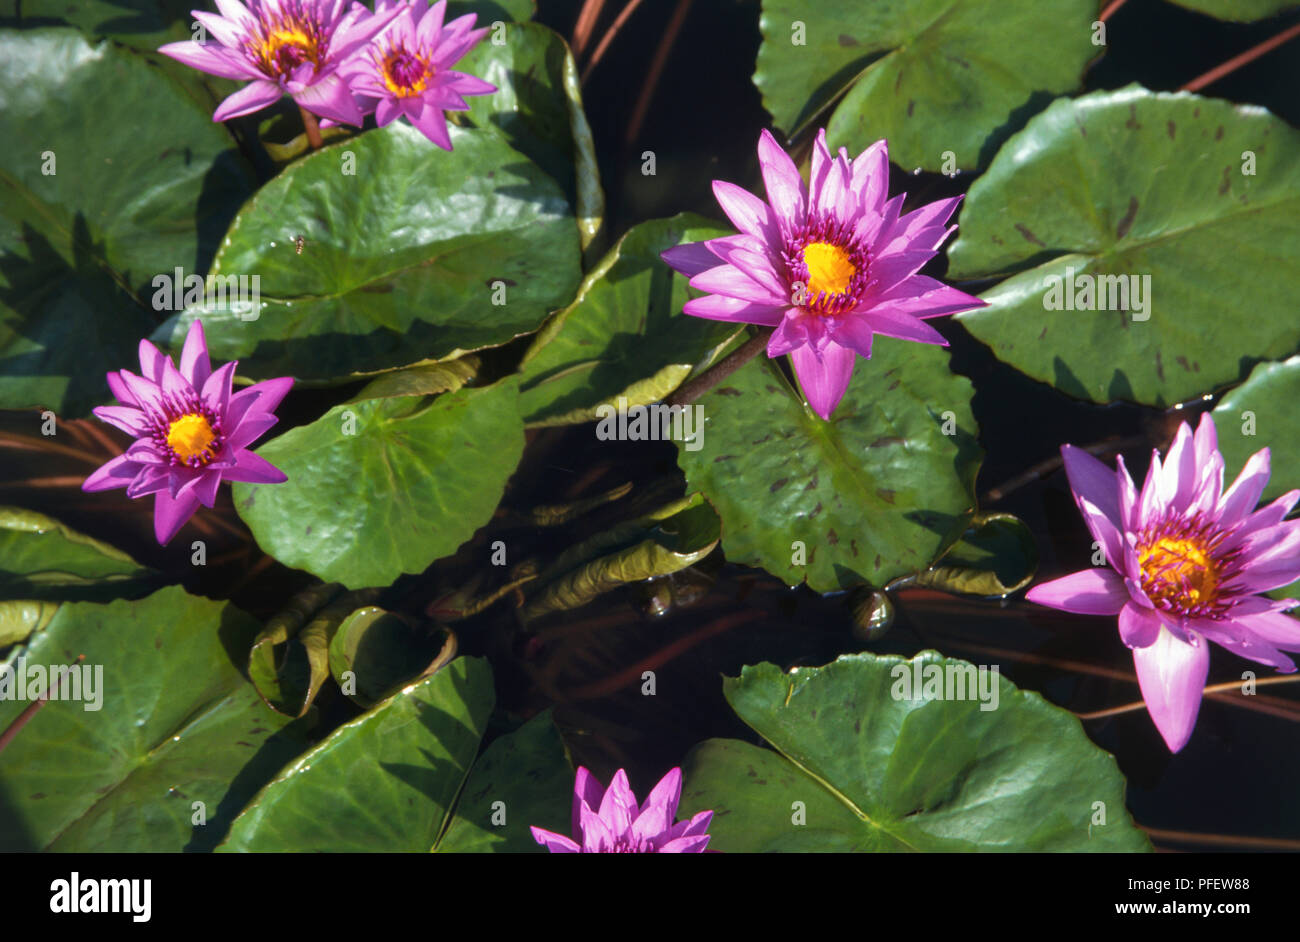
283	47
407	71
609	821
1187	563
191	432
828	264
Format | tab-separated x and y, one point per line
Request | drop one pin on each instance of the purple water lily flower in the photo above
828	264
1188	560
407	70
191	432
285	47
609	821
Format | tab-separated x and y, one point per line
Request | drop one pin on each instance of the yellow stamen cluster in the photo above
405	73
283	48
190	438
1179	570
829	268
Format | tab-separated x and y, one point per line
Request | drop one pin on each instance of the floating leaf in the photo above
523	777
43	563
875	493
290	658
933	76
1260	413
1240	11
538	106
399	778
373	652
625	334
665	541
880	764
421	380
995	557
385	486
1128	185
41	558
409	253
173	730
99	205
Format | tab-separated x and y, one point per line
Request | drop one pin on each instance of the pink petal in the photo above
690	259
195	365
555	843
132	421
719	308
1241	498
118	472
1092	480
170	514
254	469
824	379
252	97
1138	627
208	60
747	212
1088	592
785	188
432	123
588	791
330	98
870	179
731	282
1172	675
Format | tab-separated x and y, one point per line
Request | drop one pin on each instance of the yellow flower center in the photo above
190	436
1178	570
829	268
285	48
405	73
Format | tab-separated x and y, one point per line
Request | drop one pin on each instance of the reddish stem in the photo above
311	127
1236	62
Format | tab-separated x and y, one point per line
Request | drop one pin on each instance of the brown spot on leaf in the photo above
886	494
1132	122
1029	236
1160	367
1218	133
911	106
833	538
1127	222
723	458
778	484
886	440
1226	183
728	391
1170	128
846	40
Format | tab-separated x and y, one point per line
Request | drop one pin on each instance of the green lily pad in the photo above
665	541
175	724
1149	187
524	776
418	255
399	778
374	652
96	205
875	493
41	558
538	106
995	557
625	335
880	765
44	563
422	380
387	781
385	486
932	76
1261	413
1239	11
